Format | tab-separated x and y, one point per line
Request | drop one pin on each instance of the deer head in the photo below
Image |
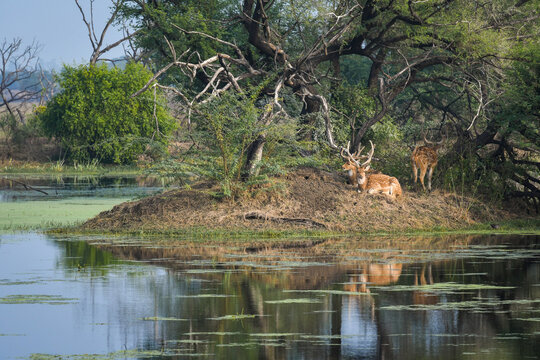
434	144
357	170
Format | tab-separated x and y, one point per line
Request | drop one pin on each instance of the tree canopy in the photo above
94	117
350	71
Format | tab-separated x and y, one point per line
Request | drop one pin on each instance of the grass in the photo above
509	227
40	215
13	167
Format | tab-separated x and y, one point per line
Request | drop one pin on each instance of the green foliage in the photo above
224	130
95	118
15	133
226	127
521	100
166	18
467	175
355	69
355	106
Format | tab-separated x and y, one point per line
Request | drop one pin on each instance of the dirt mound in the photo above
308	198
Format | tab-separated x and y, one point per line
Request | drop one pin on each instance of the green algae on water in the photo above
31	215
235	317
447	287
275	334
202	296
237	345
37	299
157	318
295	301
332	292
216	333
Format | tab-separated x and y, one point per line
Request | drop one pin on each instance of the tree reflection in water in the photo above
344	298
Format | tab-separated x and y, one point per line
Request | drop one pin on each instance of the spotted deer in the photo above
425	158
362	176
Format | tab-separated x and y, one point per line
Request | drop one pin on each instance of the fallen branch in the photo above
26	186
262	216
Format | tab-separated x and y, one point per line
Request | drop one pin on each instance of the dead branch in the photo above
26	186
98	48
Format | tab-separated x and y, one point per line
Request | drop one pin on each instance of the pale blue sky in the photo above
57	26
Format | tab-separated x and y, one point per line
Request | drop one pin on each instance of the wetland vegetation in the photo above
190	199
264	293
443	297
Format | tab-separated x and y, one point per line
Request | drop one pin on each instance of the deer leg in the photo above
389	190
415	171
430	173
422	175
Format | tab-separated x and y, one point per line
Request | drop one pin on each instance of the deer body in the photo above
368	181
374	274
424	158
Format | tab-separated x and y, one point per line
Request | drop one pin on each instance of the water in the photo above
460	297
478	298
66	201
60	187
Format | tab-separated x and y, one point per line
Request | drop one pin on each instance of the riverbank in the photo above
14	168
310	202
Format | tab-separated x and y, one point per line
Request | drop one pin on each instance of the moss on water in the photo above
122	354
37	299
235	317
295	301
449	287
157	318
35	215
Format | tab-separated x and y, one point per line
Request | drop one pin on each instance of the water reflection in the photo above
446	298
62	187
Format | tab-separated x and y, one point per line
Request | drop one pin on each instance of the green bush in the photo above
95	118
222	132
226	127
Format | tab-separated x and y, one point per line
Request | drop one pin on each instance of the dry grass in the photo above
315	196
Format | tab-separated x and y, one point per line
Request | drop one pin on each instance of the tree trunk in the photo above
253	157
308	116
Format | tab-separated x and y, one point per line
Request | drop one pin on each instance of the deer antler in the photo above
348	155
434	142
370	155
356	155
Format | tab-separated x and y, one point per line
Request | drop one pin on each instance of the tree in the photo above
442	57
21	79
303	45
97	41
94	117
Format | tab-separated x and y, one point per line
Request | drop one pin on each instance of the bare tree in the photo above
20	77
97	40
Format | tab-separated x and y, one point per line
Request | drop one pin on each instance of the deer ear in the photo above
367	168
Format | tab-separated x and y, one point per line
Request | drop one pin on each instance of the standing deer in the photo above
360	175
425	158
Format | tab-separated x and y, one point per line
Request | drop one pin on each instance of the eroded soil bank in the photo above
306	199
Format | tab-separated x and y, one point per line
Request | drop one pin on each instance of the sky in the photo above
57	26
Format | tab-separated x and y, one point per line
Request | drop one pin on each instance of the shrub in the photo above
94	117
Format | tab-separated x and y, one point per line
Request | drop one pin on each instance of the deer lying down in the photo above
359	174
